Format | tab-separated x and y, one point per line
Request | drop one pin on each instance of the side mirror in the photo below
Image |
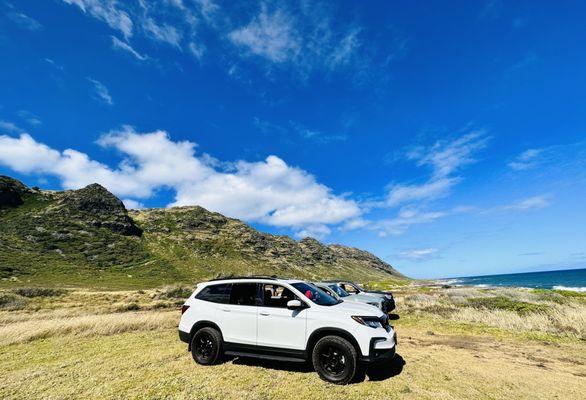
294	304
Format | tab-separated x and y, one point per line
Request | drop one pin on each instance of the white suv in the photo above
287	320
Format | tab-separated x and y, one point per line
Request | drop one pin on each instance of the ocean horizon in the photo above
569	279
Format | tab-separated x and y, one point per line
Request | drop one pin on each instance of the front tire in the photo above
335	360
206	346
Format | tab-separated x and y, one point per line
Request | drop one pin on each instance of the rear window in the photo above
215	293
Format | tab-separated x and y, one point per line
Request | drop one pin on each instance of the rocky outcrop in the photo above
98	207
11	192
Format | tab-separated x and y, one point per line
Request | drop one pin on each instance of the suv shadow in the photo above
386	370
375	373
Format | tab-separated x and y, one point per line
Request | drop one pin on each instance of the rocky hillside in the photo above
87	237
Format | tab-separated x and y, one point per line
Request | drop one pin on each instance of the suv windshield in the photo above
339	291
315	294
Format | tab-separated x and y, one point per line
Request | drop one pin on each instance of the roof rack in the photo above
221	278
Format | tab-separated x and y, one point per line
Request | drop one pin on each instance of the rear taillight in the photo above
184	308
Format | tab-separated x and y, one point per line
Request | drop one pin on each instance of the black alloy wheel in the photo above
335	360
206	346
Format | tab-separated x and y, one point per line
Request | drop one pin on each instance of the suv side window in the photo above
243	294
277	295
349	288
215	293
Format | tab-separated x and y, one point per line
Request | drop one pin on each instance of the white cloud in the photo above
529	203
419	254
25	155
525	160
445	159
102	92
433	189
302	36
24	21
343	53
121	45
197	50
271	35
269	191
316	231
162	32
29	117
316	135
131	204
7	126
406	217
107	11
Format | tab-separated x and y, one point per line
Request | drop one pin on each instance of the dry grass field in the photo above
454	343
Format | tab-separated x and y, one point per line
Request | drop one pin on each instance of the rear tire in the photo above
335	360
206	346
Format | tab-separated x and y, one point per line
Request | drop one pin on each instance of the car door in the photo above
277	325
239	318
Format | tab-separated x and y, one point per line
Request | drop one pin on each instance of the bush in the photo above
175	292
503	303
38	292
10	301
128	307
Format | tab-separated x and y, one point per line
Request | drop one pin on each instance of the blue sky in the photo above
448	141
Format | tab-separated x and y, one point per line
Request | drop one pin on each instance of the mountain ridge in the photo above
87	237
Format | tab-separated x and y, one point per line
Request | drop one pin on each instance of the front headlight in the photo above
373	322
389	296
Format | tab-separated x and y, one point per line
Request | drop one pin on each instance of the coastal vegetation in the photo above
454	342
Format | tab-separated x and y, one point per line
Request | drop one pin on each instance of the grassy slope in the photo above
122	355
42	247
40	244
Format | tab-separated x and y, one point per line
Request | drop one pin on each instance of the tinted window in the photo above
339	291
350	288
315	294
277	296
327	290
215	293
243	294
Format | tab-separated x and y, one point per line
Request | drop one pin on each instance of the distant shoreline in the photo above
570	279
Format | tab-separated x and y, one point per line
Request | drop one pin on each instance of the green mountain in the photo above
87	237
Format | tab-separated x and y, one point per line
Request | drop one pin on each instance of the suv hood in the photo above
379	292
353	308
366	298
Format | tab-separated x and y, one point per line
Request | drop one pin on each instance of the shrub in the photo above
128	307
175	292
10	301
571	294
38	292
506	304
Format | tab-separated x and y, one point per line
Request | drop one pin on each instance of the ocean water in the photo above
571	279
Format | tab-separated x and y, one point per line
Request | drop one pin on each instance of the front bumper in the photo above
379	351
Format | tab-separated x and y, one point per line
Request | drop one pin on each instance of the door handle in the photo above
226	309
264	313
